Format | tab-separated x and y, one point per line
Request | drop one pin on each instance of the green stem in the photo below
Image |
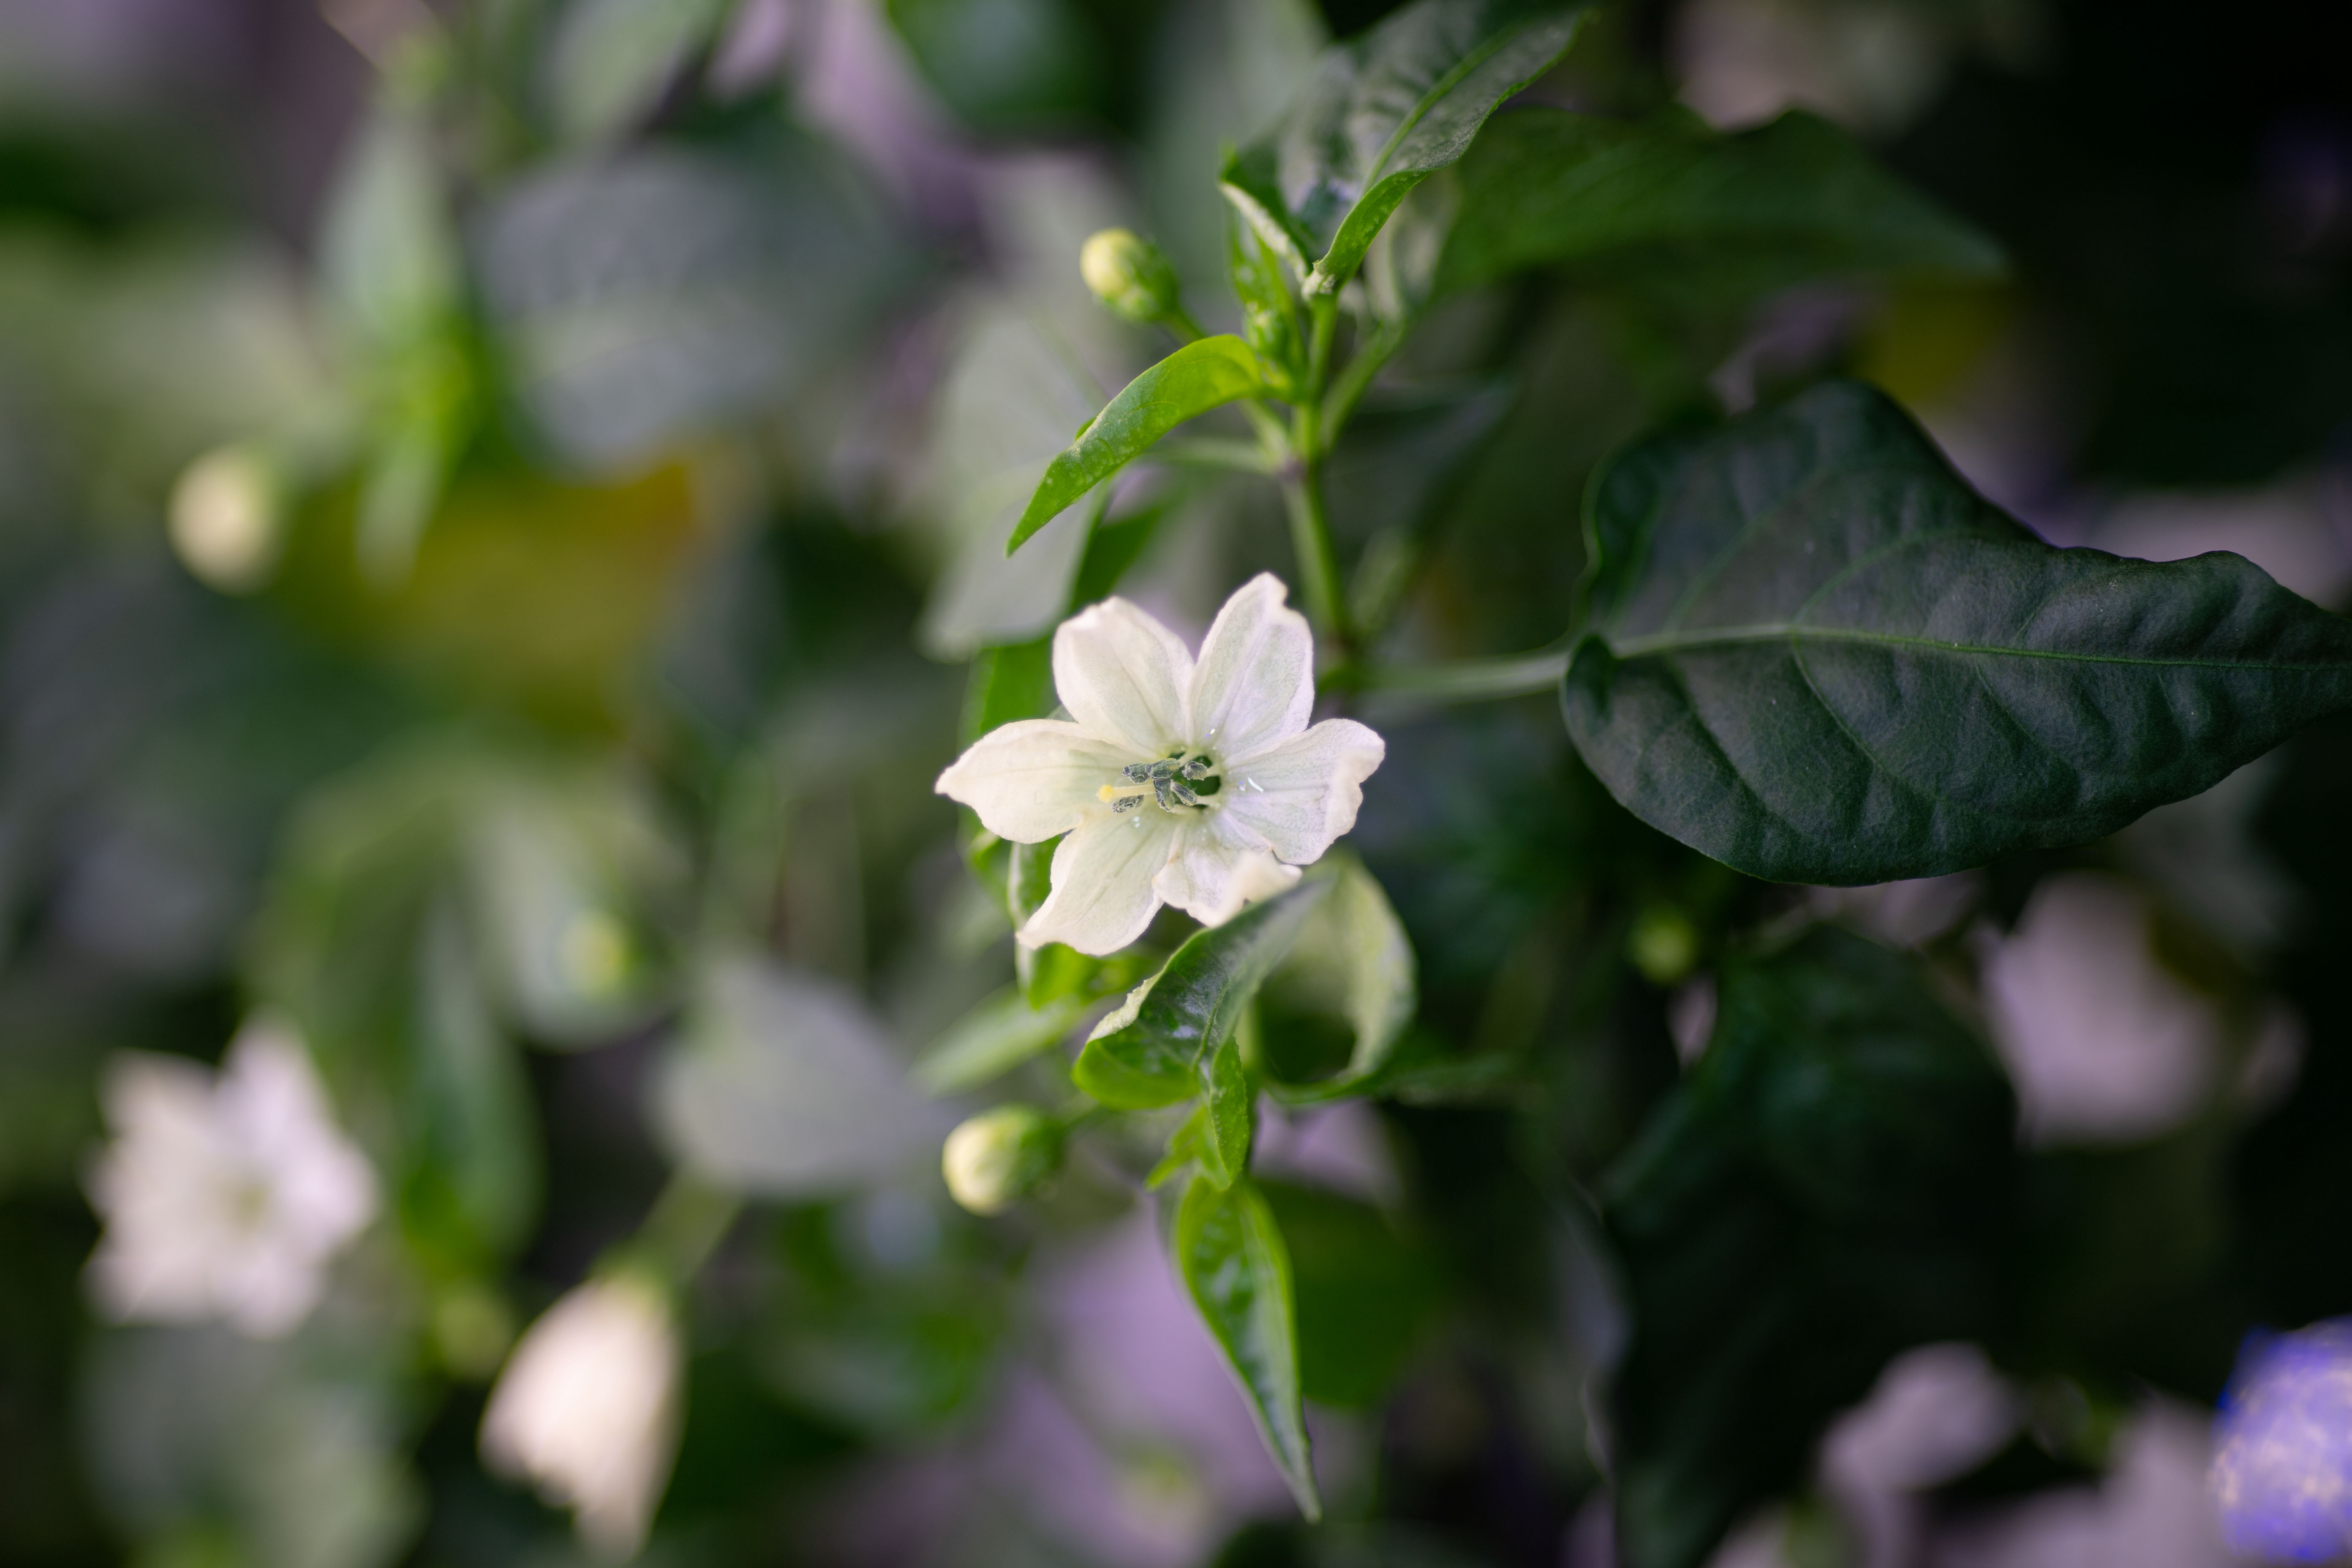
687	1223
1215	452
1319	563
1465	680
1302	489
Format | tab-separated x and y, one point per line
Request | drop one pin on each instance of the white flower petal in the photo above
1305	792
1123	676
1103	895
1033	779
1255	684
1219	864
587	1407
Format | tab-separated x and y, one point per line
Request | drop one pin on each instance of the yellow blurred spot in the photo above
472	1328
1925	340
595	952
225	519
1663	945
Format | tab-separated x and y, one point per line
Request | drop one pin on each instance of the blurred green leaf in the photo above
1668	205
1004	64
274	1455
1387	110
1231	1254
363	939
1189	382
612	60
1351	965
782	1084
1834	1181
1161	1045
1367	1294
1817	656
1008	683
992	1039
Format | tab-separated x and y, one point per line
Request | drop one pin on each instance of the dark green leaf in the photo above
1817	656
1668	205
1161	1047
1232	1257
1383	113
1833	1184
1366	1293
1189	382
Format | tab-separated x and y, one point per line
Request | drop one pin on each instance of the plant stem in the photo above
1302	490
687	1223
1468	680
1319	563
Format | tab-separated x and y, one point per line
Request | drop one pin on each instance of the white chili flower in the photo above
223	1195
588	1409
1193	784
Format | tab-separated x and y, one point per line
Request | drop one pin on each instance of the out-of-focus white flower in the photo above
588	1409
1193	784
223	1195
2103	1043
2283	1459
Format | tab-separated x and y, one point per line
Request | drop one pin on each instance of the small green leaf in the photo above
1189	382
1385	112
1161	1047
1230	1252
1834	1181
1817	656
992	1039
1350	972
1669	205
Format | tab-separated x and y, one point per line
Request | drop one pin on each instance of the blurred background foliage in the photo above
496	497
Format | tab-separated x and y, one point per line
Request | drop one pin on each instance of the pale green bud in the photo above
1663	945
227	518
1128	274
1000	1156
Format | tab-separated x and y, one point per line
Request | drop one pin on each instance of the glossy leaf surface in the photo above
1831	1184
1189	382
1163	1043
1668	204
1385	112
1817	656
1232	1257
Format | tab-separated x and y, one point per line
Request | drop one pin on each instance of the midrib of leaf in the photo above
1655	643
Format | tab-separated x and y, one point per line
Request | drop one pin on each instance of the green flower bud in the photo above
1664	945
1000	1156
1128	274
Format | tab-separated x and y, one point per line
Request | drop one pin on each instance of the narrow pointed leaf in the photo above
1196	378
1231	1254
1667	205
1385	112
1161	1047
1817	656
